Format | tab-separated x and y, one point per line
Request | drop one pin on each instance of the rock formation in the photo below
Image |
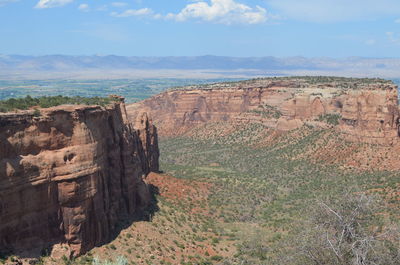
367	108
69	175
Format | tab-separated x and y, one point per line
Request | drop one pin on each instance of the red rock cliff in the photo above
69	175
368	107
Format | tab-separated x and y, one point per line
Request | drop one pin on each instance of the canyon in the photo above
69	175
366	109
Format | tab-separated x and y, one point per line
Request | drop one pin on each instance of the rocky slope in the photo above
68	176
366	109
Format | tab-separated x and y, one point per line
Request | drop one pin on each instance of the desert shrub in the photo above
272	188
67	261
345	231
216	258
36	113
113	247
332	119
268	111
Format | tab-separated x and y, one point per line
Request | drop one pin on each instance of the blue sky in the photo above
311	28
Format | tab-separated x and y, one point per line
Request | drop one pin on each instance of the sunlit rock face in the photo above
367	110
69	175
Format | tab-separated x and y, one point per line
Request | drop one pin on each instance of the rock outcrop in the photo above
70	175
366	108
371	116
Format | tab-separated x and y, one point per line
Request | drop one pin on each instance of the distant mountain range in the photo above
111	66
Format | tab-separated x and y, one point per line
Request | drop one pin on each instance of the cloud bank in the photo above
221	11
226	12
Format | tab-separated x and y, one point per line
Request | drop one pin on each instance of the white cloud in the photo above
334	10
52	3
119	4
83	7
218	11
221	11
134	13
397	20
4	2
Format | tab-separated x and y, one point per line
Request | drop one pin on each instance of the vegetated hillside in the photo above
266	193
247	194
239	189
275	150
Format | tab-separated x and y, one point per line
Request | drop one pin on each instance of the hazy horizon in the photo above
120	67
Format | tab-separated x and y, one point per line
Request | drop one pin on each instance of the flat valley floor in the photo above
243	194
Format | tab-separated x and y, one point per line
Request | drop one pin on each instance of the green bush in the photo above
36	113
217	258
332	119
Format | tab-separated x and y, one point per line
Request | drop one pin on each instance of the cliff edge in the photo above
363	109
69	175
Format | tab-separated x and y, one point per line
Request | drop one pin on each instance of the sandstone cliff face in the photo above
69	175
369	111
372	116
148	136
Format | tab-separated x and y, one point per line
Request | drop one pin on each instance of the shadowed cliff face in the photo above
368	112
70	175
149	143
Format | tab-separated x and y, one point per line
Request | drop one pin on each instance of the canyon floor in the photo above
245	168
238	193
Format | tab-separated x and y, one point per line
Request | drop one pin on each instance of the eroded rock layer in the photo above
69	175
366	108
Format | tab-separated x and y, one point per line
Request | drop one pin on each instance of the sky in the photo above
242	28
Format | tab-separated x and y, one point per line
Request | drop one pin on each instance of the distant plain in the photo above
132	89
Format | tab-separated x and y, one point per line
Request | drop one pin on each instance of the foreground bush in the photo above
348	231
